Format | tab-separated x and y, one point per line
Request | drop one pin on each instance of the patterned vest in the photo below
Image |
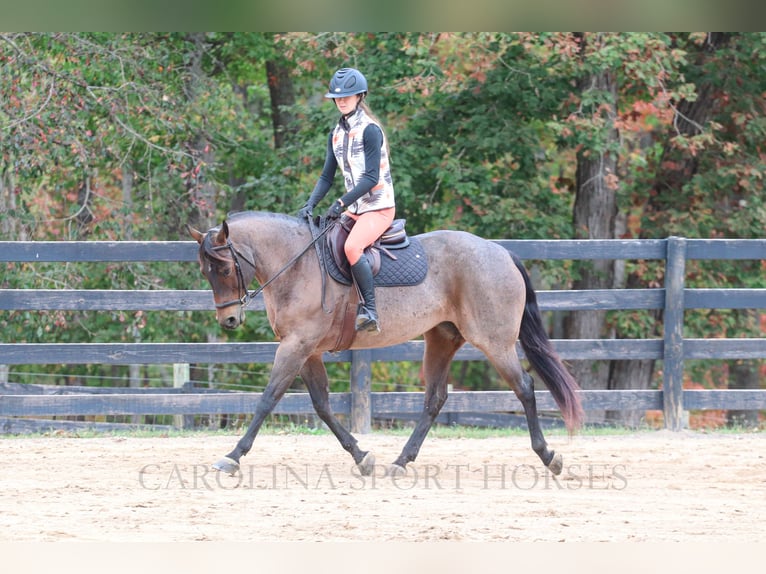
348	147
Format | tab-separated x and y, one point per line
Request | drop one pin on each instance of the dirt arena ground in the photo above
649	486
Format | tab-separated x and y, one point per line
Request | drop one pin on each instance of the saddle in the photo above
405	264
395	237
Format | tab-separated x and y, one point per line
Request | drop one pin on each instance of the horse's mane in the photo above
237	215
215	253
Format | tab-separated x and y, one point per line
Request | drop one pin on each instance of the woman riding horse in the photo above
358	145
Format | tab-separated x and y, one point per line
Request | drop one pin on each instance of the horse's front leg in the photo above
314	375
288	361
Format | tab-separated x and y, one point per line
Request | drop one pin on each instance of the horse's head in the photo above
228	271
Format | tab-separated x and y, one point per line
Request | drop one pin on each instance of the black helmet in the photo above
347	82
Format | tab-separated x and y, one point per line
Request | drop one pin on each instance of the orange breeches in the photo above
368	228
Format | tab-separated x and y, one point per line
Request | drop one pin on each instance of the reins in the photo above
248	295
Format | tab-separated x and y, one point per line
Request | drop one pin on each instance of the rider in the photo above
358	145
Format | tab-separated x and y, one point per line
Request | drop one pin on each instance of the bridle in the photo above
246	294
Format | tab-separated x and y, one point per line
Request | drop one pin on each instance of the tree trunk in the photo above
282	100
744	375
633	374
594	216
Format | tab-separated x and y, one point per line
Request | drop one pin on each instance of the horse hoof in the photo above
227	465
396	470
556	465
367	466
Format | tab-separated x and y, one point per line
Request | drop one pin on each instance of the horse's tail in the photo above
544	359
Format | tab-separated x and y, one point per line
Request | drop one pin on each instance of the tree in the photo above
524	135
686	183
109	136
595	205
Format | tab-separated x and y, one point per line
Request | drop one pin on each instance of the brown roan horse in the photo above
475	291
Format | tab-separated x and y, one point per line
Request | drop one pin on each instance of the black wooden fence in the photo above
360	403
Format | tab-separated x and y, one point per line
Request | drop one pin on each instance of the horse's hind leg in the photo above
523	386
441	344
314	375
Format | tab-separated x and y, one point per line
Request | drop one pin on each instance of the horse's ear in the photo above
197	235
223	235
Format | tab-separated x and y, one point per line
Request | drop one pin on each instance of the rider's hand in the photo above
335	210
306	211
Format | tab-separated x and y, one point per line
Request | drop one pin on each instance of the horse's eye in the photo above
226	271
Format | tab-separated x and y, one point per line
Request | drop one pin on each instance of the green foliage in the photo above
129	136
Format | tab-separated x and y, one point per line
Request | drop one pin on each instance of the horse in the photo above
475	290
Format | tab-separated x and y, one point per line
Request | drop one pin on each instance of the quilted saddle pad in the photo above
409	268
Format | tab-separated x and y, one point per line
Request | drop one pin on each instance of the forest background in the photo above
107	136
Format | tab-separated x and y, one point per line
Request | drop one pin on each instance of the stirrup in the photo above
365	321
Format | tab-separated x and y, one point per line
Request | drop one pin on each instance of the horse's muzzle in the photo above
232	320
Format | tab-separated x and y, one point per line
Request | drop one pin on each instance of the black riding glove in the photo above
306	212
335	210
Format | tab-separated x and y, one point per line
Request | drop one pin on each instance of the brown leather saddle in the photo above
395	237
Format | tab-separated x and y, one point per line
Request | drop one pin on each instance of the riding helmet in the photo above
347	82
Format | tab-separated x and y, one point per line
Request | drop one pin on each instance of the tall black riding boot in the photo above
366	314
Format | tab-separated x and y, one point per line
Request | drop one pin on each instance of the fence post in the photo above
673	356
181	375
361	402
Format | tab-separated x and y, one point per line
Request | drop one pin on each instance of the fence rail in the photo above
53	400
360	403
